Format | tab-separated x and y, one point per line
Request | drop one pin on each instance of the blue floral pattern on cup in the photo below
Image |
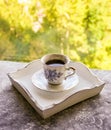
52	75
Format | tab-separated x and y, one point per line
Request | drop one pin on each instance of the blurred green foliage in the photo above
80	29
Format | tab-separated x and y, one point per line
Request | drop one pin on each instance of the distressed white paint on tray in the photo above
48	103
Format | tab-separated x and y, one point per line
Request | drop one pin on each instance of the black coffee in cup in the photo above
55	62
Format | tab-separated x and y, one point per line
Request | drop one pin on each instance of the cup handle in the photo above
73	72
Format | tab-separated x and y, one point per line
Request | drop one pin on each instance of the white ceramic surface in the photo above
39	80
55	68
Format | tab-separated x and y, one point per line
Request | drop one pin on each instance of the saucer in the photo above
39	81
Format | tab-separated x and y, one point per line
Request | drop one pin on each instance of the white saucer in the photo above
39	80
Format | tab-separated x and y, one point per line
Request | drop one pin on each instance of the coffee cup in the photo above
55	68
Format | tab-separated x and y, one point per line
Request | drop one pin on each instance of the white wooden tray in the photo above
47	103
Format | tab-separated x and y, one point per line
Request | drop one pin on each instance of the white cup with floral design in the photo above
55	68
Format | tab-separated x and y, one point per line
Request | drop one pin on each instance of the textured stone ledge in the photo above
17	114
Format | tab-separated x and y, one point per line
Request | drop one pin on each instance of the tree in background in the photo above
79	29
